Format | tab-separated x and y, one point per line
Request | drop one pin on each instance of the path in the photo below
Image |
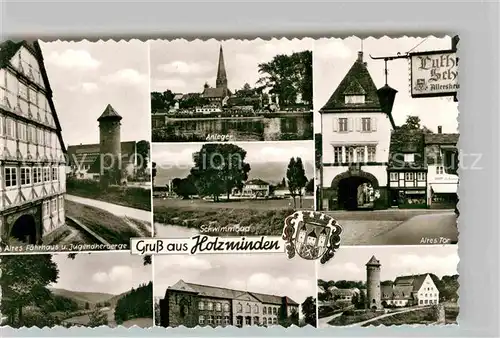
118	210
387	315
420	229
323	322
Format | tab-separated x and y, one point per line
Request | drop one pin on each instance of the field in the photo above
261	217
133	197
140	322
421	316
113	229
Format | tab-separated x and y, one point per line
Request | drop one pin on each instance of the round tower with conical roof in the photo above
373	293
110	146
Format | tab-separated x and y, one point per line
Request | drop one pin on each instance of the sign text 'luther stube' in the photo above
434	74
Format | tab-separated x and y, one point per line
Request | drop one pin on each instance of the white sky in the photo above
86	76
349	262
295	278
170	154
184	66
332	59
108	272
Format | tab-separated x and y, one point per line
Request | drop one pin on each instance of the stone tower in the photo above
373	294
110	146
221	81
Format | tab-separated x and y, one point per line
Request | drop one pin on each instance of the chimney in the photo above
360	56
440	129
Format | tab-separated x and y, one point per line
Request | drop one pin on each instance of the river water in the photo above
173	231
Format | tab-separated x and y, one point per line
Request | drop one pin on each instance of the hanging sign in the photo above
434	73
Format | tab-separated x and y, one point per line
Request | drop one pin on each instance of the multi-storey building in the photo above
407	169
410	291
191	304
355	142
32	155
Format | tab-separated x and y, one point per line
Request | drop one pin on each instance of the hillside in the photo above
272	172
83	297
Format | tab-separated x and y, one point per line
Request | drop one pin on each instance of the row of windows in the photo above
14	89
409	177
29	175
364	124
350	151
27	132
430	295
256	321
51	206
248	309
428	301
210	306
210	320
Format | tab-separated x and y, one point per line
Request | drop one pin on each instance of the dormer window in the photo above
354	99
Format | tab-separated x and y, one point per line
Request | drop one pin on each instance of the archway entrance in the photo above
355	190
24	229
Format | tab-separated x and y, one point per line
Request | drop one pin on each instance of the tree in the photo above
288	75
297	179
142	149
310	186
161	101
23	282
413	123
184	187
218	168
87	306
97	318
309	310
361	300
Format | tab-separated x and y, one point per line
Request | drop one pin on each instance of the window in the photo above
61	202
240	307
264	321
256	320
46	174
274	321
33	97
37	175
201	306
210	306
274	310
47	138
256	309
239	321
226	307
53	205
269	311
426	301
366	124
210	320
218	320
10	128
10	177
248	321
23	91
21	131
25	176
360	154
39	136
371	154
264	310
343	124
408	176
55	173
421	176
218	307
393	176
201	320
349	155
337	154
354	99
409	158
439	170
227	321
46	208
248	308
31	134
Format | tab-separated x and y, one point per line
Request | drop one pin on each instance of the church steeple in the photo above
221	81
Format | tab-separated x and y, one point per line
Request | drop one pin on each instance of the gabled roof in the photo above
343	292
7	51
89	153
357	81
224	293
415	281
109	113
256	181
215	92
448	139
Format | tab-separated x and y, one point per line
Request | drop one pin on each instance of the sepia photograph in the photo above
386	138
390	285
231	90
230	189
75	135
78	289
234	290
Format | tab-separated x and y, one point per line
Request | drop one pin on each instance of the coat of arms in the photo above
311	235
420	85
